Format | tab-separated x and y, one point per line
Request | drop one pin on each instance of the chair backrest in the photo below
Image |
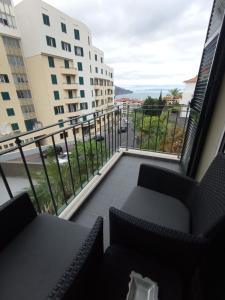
208	203
15	215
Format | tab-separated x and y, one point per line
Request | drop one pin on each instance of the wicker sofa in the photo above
43	256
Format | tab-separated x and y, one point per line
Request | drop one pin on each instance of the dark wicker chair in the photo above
173	216
43	256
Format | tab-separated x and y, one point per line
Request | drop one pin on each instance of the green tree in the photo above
85	160
153	107
175	93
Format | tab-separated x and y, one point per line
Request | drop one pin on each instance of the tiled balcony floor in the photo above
114	190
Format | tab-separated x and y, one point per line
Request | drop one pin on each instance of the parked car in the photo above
51	152
98	138
63	158
122	129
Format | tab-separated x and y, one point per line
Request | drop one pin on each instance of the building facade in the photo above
68	75
17	110
188	94
49	70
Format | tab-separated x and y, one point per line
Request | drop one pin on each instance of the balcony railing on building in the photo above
64	157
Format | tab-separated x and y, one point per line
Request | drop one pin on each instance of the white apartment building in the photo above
17	110
188	94
68	75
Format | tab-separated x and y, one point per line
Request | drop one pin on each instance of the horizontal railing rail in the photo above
58	164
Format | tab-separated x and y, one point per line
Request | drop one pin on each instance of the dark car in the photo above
98	138
51	152
122	129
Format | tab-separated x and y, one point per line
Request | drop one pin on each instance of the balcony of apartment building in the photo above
69	69
153	174
71	95
69	82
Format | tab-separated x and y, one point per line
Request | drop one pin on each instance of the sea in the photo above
142	92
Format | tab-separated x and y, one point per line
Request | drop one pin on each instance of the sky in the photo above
147	42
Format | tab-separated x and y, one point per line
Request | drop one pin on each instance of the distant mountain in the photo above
121	91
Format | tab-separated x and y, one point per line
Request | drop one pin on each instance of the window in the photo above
84	120
61	124
10	112
50	41
81	80
96	57
54	79
90	69
93	104
23	94
82	93
66	46
4	78
92	93
80	66
96	69
89	54
56	95
102	102
70	94
46	20
51	62
66	64
63	135
15	126
91	81
29	108
77	34
5	96
59	109
83	106
78	51
101	71
20	78
101	59
15	60
63	27
89	41
72	107
68	79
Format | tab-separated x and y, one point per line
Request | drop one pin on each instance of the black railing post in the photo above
105	139
6	182
142	124
96	144
47	178
77	156
85	154
127	146
68	157
174	132
135	113
58	166
91	151
18	142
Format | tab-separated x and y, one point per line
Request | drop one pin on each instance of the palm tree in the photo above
175	93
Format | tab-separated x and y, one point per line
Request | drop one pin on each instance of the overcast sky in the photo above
147	42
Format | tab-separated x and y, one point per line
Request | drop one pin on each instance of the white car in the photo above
63	158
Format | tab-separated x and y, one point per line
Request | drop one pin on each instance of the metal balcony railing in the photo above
60	161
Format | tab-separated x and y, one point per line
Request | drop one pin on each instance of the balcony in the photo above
139	134
70	86
68	71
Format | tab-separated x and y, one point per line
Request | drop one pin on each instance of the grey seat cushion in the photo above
158	208
32	264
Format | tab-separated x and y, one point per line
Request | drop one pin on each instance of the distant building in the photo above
188	93
133	103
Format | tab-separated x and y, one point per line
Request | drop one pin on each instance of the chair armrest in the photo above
129	231
77	280
15	214
166	181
